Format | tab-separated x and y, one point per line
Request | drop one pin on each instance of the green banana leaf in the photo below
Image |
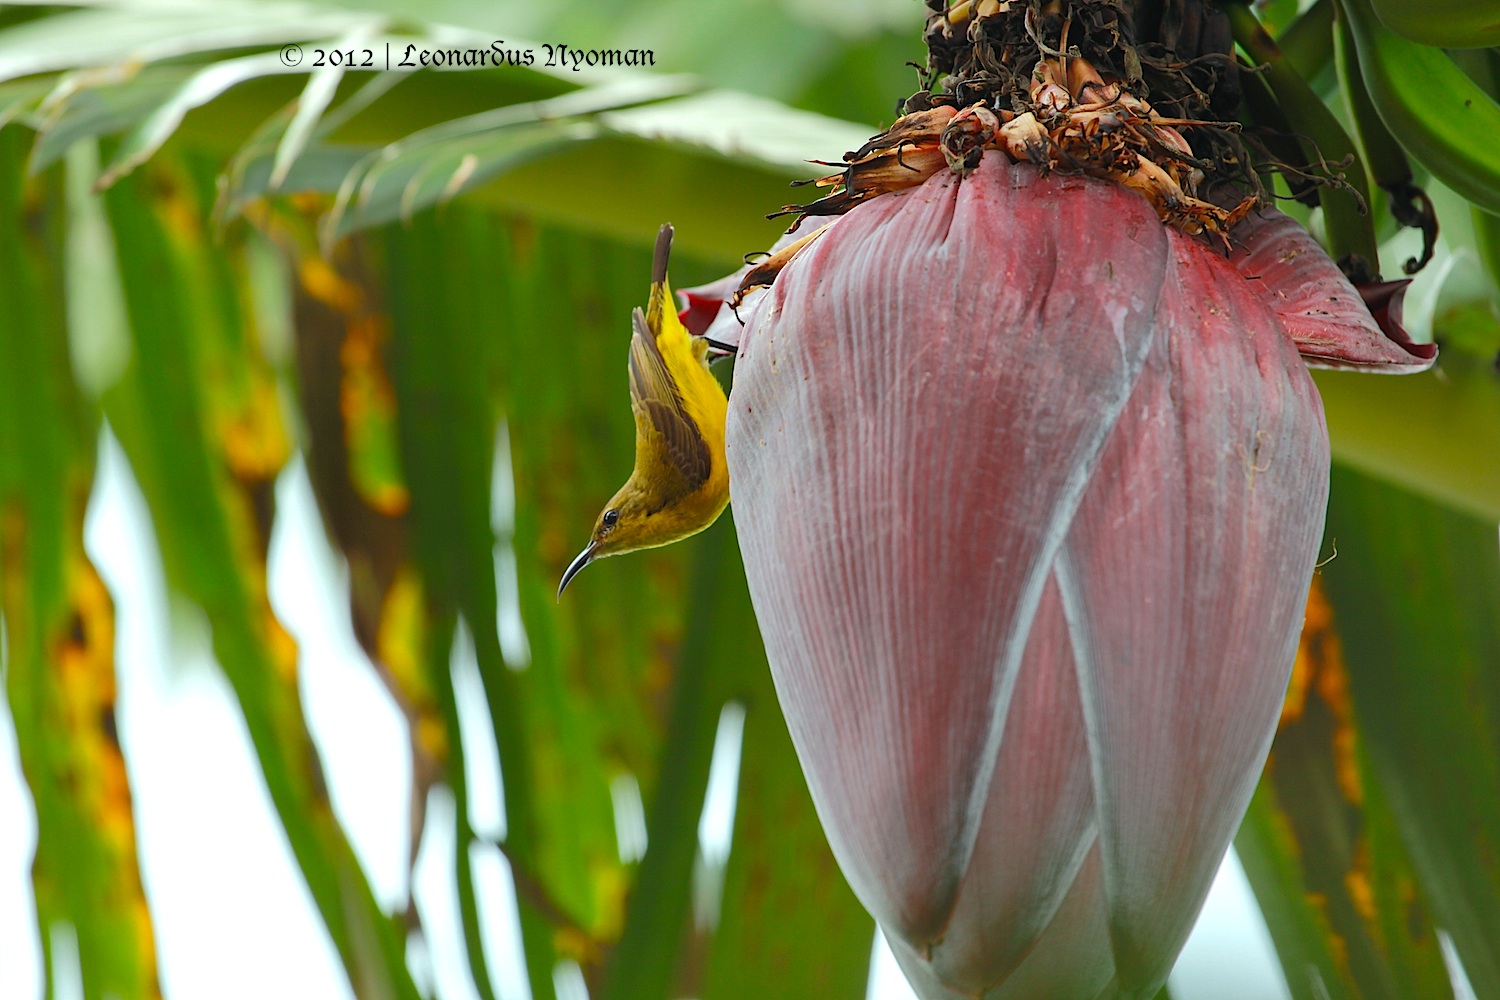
1372	831
1416	592
625	676
59	618
788	916
1342	902
197	414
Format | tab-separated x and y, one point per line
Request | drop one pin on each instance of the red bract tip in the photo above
699	311
1333	324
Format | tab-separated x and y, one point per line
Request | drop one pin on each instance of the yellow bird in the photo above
680	484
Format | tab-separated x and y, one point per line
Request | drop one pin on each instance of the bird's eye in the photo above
610	517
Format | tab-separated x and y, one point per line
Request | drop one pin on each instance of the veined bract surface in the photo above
1029	489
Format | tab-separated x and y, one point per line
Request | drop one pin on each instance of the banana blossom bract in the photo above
1029	489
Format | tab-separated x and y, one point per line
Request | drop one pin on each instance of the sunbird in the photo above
680	483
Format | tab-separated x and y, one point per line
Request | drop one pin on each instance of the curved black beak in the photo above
584	558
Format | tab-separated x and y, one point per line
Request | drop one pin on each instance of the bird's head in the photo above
625	524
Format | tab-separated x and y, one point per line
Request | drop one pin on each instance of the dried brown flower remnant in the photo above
1077	122
902	156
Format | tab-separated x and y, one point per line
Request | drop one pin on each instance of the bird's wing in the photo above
655	393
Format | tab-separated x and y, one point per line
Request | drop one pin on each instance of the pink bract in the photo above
1029	489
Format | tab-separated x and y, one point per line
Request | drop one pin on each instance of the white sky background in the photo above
220	877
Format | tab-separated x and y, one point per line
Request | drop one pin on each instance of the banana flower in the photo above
1029	488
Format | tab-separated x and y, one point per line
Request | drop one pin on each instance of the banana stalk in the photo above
1346	218
1260	108
1384	156
1443	119
1307	42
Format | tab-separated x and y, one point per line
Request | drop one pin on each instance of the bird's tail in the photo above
659	289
